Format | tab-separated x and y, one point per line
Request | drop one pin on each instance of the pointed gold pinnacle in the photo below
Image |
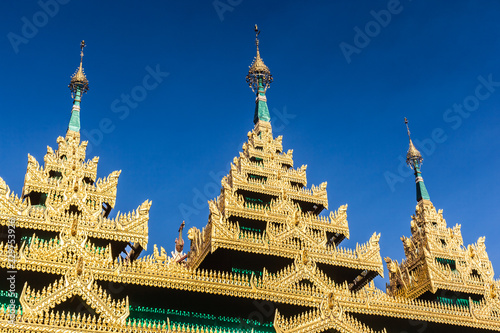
79	80
413	155
259	74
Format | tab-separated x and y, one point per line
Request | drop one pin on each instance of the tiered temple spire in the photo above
259	78
438	266
78	85
414	160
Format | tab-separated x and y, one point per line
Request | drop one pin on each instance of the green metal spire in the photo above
259	78
414	160
421	189
74	121
78	85
261	109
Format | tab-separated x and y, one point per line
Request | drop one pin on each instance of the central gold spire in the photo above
259	74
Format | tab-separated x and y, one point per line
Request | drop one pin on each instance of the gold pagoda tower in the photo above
268	259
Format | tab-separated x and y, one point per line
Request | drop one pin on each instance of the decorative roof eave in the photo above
310	322
280	158
372	301
270	165
316	195
136	232
295	175
279	211
260	214
273	146
236	206
159	272
321	320
335	257
115	312
175	276
43	322
220	233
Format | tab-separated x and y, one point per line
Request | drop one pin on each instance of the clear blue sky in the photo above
339	99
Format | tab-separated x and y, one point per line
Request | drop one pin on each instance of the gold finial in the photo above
257	32
79	80
413	154
259	74
407	128
82	45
